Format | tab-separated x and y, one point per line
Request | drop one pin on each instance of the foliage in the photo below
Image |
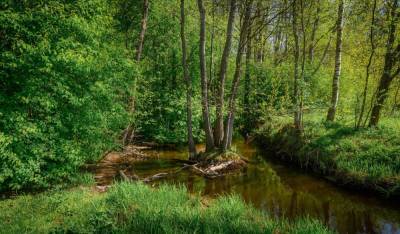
128	208
64	84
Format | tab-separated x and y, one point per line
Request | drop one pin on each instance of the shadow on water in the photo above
284	192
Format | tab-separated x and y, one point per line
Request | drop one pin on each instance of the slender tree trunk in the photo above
247	87
211	82
296	51
395	102
219	123
139	47
203	74
303	62
129	131
391	59
364	95
232	99
338	61
314	32
188	82
278	41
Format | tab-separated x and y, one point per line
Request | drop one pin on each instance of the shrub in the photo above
63	90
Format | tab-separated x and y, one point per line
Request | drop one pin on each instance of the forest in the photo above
200	116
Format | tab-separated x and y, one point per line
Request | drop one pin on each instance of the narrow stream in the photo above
283	192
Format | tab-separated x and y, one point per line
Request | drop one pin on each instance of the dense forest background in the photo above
73	86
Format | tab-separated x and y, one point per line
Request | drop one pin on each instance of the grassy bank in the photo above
364	158
137	208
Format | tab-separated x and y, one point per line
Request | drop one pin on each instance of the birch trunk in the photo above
338	61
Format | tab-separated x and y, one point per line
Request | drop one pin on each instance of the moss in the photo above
217	155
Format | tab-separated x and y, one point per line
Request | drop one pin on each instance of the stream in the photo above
280	190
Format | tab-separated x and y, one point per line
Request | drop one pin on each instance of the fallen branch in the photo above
205	173
124	176
218	167
155	177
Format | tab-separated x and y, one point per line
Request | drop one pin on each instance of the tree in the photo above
129	131
391	67
139	47
314	32
219	123
203	78
367	70
338	63
296	54
188	82
238	70
247	87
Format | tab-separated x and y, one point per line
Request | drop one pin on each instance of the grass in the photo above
369	157
138	208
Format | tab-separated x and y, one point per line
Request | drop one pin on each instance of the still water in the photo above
283	191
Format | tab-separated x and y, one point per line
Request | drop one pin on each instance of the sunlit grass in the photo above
369	155
138	208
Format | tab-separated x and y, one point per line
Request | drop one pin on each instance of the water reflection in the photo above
285	192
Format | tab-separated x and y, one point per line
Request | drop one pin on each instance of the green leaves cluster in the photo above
64	82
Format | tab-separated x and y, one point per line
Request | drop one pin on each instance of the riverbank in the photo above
129	207
367	159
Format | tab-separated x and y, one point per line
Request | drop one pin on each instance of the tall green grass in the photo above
369	156
138	208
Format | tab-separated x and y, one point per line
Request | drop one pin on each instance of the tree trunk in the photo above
188	82
232	99
139	47
296	51
130	131
395	102
364	95
391	59
203	74
247	87
219	123
211	81
338	62
314	32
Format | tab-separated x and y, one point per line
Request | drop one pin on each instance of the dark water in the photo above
285	192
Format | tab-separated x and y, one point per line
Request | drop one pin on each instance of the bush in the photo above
63	89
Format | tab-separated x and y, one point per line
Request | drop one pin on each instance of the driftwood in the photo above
155	177
219	167
123	175
202	172
216	170
150	178
210	171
